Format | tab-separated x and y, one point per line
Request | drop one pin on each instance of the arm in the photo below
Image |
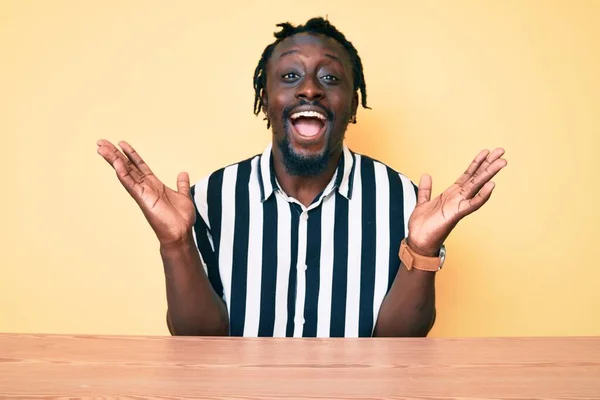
193	306
409	307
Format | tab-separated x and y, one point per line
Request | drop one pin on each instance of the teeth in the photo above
308	114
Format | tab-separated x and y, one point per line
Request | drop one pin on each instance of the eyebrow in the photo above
286	53
293	51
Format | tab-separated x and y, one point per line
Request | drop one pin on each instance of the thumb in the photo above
424	193
183	183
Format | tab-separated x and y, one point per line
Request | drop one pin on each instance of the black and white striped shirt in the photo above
288	270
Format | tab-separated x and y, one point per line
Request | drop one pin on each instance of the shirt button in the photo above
304	216
304	268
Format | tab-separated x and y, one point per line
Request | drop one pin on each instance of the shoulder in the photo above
211	185
371	168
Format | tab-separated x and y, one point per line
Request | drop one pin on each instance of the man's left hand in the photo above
432	220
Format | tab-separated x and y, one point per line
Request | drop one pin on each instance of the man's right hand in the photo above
171	214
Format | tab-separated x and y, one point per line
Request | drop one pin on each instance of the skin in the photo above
194	308
313	69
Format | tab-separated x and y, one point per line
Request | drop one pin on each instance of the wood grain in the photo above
109	367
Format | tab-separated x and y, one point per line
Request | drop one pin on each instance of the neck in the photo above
305	188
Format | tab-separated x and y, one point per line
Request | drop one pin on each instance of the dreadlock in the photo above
317	26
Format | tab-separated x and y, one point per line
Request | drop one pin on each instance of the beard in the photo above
296	163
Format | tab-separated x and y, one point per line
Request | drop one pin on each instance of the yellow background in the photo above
445	79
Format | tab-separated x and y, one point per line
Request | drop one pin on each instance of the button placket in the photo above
301	273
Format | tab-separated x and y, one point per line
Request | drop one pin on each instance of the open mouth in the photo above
309	124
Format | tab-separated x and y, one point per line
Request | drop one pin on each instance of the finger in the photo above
108	151
183	183
474	185
473	167
480	199
424	192
493	156
124	175
135	158
111	154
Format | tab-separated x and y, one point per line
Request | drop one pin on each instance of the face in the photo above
309	100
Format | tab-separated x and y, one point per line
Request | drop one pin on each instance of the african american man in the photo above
308	238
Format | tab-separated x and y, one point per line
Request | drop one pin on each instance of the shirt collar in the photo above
342	178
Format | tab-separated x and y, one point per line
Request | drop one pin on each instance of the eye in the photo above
290	76
330	78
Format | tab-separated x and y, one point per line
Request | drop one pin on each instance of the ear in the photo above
354	107
354	103
265	104
264	101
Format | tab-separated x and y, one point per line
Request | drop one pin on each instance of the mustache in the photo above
314	103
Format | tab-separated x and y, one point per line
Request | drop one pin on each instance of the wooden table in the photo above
52	367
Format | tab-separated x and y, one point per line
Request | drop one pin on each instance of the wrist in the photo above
184	242
425	259
422	250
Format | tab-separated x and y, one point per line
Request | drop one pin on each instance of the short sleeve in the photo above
409	197
202	235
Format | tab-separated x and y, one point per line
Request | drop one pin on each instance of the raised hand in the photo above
432	220
171	214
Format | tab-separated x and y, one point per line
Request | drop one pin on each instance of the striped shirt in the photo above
284	269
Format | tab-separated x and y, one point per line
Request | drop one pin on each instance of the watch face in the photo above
442	256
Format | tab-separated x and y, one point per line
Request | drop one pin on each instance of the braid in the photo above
314	25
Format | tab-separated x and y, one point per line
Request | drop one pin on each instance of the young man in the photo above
307	238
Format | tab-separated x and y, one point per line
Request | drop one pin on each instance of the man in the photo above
307	238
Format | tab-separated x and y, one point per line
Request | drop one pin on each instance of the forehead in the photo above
311	44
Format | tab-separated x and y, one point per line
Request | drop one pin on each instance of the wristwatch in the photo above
411	260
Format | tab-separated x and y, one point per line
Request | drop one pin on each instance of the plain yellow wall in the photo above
445	79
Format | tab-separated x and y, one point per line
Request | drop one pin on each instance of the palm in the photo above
432	220
166	210
170	213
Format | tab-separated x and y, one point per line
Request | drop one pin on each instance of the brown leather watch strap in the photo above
411	260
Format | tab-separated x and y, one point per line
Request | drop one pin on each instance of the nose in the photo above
310	89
